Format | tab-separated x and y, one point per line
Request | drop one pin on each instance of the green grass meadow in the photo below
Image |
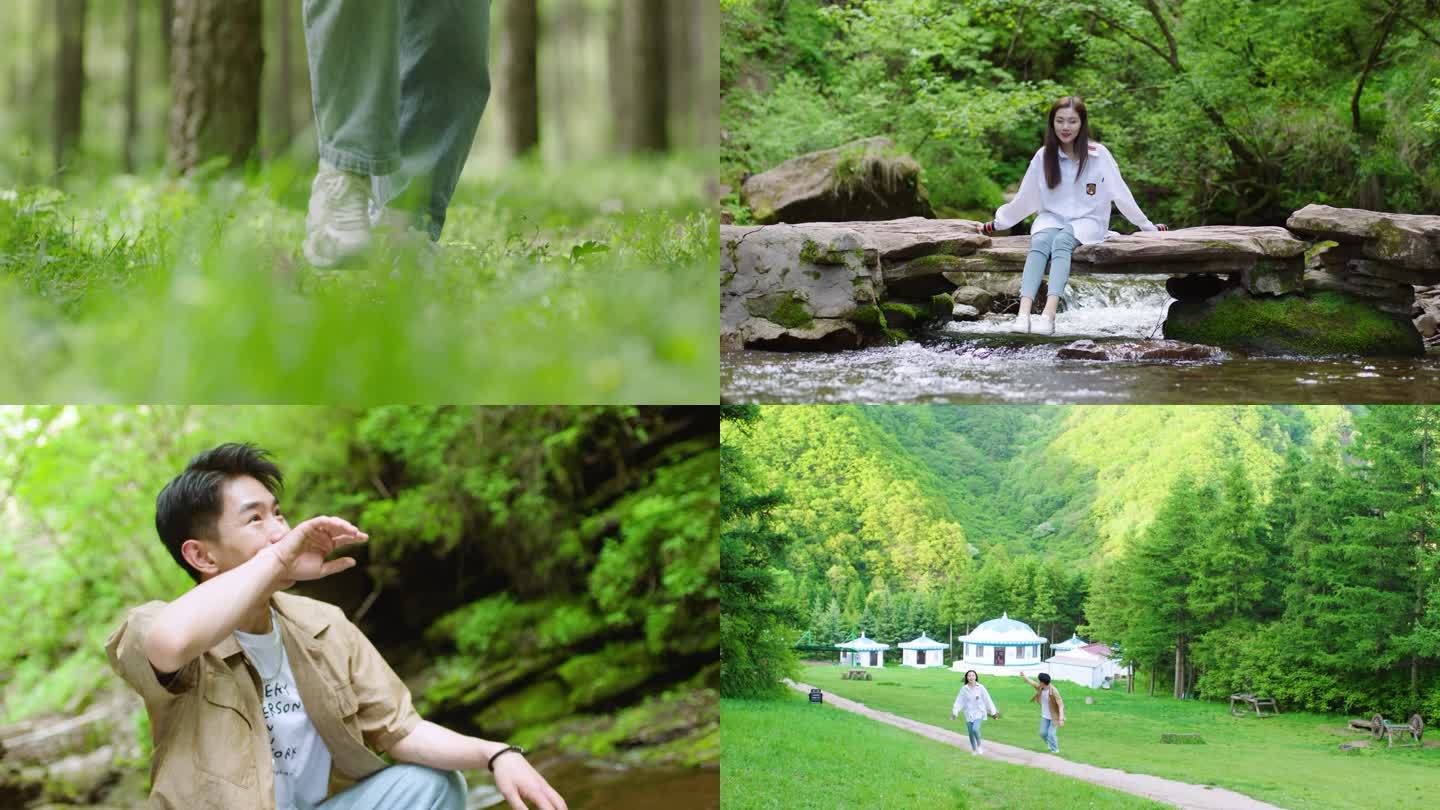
1292	760
587	283
788	753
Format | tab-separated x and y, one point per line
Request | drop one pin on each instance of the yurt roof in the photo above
1003	632
863	644
924	642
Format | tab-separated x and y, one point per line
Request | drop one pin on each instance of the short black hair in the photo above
190	504
1044	677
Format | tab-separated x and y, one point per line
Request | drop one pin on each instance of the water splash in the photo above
1099	307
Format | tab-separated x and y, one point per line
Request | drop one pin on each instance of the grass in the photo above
791	754
1292	760
562	284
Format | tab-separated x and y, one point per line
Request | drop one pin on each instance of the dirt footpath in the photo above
1169	791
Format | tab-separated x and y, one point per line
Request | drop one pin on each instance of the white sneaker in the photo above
337	227
1045	326
979	750
1021	324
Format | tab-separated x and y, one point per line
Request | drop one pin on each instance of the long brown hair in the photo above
1052	141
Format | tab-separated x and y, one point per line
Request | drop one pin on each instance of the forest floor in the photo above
585	283
1290	760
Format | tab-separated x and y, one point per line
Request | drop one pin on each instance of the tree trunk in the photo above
167	29
518	75
69	78
1385	25
132	83
215	82
1180	667
1153	667
639	77
283	126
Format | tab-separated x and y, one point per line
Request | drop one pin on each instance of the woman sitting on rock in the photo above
1080	180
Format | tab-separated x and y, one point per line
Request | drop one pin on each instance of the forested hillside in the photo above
1220	547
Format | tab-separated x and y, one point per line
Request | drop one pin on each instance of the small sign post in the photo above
816	696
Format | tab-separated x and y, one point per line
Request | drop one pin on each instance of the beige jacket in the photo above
212	749
1057	706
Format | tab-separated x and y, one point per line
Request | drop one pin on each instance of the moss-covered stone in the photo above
898	313
785	308
541	703
941	304
813	252
1326	323
935	263
868	317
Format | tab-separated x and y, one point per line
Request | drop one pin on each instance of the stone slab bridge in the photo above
819	285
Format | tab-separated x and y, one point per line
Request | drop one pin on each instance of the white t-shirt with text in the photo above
301	760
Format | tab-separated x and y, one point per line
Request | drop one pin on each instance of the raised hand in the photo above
302	550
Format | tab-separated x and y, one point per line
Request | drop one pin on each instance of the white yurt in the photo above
863	652
923	652
1072	643
1000	646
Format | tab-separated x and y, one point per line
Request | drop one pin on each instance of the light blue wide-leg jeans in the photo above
399	87
401	787
973	728
1047	733
1055	245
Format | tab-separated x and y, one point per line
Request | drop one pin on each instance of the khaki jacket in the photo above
1057	706
212	749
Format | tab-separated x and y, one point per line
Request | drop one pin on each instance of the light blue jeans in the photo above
1056	245
973	727
399	87
1047	733
401	787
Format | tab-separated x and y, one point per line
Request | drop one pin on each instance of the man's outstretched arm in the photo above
210	611
438	747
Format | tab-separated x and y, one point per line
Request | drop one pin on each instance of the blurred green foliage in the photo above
1237	111
559	284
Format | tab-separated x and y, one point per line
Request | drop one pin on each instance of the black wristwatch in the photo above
507	749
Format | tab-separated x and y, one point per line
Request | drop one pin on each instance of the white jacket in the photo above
974	704
1082	204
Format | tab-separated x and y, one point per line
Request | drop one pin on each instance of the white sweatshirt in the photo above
1084	205
974	703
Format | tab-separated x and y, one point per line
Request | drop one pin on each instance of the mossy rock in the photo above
868	317
941	305
545	701
1323	324
935	262
812	252
615	669
901	314
785	308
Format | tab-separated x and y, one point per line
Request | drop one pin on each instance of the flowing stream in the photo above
984	361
